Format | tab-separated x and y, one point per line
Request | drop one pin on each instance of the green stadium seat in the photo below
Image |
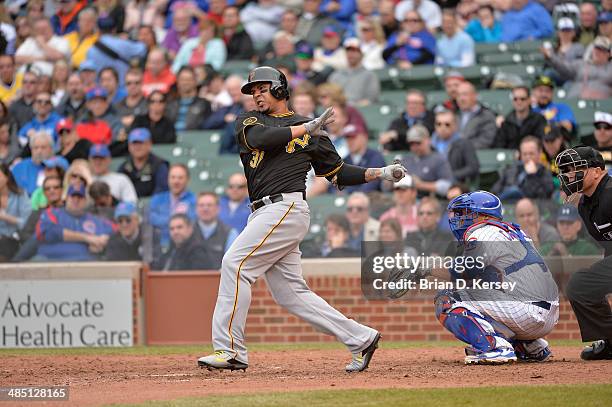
323	205
526	71
424	77
493	160
202	143
378	117
496	100
238	67
173	152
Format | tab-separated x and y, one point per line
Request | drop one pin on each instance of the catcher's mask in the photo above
573	164
279	88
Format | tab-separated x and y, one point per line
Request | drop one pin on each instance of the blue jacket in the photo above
50	234
19	206
48	124
483	34
26	174
160	212
414	49
556	112
237	219
126	49
371	159
531	22
347	9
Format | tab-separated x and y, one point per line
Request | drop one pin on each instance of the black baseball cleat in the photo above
361	360
221	360
598	350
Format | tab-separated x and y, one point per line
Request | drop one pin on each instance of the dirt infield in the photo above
104	379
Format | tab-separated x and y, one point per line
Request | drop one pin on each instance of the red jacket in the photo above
96	131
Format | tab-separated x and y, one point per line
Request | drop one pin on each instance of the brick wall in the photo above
397	320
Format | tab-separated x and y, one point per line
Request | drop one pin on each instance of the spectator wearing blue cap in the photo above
148	172
159	128
126	243
526	20
100	161
28	172
178	199
569	225
44	119
55	166
303	59
71	233
15	209
101	125
88	74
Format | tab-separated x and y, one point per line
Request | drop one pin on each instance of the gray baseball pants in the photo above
269	247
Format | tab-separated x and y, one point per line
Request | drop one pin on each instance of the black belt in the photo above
542	304
260	202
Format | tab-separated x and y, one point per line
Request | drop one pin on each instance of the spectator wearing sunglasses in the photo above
362	226
428	239
160	127
459	152
603	137
521	122
125	244
44	119
234	208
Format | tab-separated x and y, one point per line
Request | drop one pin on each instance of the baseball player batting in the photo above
500	326
278	148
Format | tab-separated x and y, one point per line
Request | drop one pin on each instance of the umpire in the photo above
582	170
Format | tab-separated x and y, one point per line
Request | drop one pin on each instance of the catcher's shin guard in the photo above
467	324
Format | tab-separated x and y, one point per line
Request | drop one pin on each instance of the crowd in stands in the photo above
86	85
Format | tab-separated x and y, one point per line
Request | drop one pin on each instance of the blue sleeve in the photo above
158	214
543	26
566	113
217	119
474	30
49	229
161	179
347	9
23	134
56	24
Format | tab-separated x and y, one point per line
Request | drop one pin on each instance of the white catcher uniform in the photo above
522	314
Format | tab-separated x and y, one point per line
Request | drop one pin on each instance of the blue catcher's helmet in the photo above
465	209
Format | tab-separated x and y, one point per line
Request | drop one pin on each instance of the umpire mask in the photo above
572	169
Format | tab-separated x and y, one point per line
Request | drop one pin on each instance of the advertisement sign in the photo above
65	313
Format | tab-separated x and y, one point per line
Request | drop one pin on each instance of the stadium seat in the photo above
423	77
173	153
378	117
203	143
238	67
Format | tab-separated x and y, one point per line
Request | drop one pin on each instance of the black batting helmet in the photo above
266	74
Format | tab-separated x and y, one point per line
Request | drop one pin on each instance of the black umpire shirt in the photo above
274	163
596	213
